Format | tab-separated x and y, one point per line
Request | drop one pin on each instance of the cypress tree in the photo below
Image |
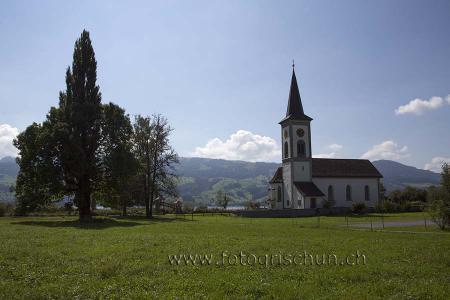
79	126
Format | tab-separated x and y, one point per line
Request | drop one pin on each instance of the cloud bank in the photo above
7	135
242	145
334	148
419	106
436	163
387	150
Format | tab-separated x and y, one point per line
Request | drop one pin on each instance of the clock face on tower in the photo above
300	132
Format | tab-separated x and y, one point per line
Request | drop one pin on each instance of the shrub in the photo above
390	207
68	207
201	209
440	213
328	203
358	207
6	209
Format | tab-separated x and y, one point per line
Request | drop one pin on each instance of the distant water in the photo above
228	207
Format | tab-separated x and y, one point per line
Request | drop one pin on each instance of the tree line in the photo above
434	199
91	152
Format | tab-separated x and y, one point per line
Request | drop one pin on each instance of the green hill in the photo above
201	178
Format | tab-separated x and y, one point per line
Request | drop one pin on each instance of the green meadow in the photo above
57	257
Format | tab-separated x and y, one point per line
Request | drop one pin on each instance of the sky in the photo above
374	75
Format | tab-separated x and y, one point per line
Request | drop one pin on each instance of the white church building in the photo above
304	182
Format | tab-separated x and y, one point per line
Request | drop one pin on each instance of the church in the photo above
303	182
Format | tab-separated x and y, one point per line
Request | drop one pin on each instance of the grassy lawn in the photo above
55	257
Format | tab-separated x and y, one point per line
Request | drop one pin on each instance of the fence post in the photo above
371	225
382	219
425	220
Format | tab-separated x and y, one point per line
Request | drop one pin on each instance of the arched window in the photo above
286	150
330	193
301	148
279	194
348	193
367	193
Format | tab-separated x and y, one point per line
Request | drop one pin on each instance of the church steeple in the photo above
295	107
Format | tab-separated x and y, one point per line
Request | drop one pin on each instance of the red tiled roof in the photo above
326	167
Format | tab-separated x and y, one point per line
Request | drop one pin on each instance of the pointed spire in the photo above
295	107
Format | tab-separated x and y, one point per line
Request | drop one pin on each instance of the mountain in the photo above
398	176
8	174
201	178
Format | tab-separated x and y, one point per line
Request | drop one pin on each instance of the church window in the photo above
330	193
286	150
367	193
279	194
348	193
301	148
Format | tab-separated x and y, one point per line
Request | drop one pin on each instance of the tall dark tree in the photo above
78	125
66	145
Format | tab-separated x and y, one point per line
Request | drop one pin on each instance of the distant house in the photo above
306	182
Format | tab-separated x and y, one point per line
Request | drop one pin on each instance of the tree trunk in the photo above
152	192
151	201
84	207
147	209
93	205
124	208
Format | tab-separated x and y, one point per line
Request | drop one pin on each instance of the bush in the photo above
201	209
358	207
252	205
6	209
328	203
440	213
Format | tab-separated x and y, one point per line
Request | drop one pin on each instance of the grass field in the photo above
56	257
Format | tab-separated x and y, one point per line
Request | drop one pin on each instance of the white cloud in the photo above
387	150
335	147
436	163
7	134
419	106
325	155
242	145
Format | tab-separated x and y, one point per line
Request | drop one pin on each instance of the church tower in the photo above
296	146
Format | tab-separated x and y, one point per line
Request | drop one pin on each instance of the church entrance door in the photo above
313	202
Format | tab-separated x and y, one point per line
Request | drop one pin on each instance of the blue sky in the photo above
220	71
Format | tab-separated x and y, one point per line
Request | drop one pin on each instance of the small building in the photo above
305	182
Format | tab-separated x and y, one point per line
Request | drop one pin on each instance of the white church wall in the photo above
319	202
357	185
299	200
278	202
305	138
286	182
302	171
285	139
